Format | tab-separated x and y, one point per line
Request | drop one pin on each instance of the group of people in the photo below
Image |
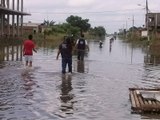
65	49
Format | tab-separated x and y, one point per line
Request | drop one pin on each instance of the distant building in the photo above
143	33
34	27
153	22
31	27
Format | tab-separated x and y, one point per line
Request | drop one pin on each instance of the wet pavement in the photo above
96	90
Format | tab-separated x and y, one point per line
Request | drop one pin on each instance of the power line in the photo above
86	12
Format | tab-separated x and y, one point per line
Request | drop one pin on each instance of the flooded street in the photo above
96	90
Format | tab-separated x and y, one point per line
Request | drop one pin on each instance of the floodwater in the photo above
96	90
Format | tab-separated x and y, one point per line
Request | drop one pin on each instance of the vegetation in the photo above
74	26
133	35
78	22
48	23
97	31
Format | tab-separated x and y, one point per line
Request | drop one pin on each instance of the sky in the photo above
111	14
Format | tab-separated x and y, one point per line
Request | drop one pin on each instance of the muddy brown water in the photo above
96	90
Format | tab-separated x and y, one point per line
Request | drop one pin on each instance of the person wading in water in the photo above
81	46
65	49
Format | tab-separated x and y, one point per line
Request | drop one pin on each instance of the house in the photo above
153	21
153	24
33	27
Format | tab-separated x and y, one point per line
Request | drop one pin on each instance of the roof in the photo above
30	24
12	12
153	13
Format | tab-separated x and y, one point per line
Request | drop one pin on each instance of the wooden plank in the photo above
151	106
149	102
133	103
136	100
144	105
146	102
154	102
147	89
140	100
157	102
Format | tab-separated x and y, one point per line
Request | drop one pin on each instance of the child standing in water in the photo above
28	48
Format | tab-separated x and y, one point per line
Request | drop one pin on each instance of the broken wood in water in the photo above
145	100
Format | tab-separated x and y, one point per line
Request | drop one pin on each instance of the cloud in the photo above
44	4
80	3
112	14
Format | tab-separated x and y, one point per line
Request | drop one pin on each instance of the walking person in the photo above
28	48
65	49
81	46
100	44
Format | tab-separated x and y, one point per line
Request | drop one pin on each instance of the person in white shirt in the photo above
81	46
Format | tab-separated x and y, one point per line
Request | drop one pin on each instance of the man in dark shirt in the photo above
65	49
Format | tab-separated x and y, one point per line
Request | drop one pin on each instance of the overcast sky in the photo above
111	14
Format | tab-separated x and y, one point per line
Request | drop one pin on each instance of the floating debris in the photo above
145	100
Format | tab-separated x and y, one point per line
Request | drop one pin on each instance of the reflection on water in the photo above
96	90
80	66
12	96
10	50
66	95
11	53
152	59
153	54
110	47
28	81
150	117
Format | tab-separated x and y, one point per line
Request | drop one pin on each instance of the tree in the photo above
49	23
77	21
98	31
65	28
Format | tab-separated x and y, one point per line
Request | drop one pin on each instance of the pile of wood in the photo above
145	100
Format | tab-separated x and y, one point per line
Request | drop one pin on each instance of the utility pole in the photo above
156	24
147	26
132	26
126	28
